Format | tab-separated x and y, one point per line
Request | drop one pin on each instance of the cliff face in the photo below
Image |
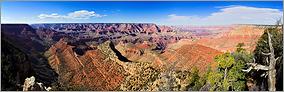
22	35
15	67
23	48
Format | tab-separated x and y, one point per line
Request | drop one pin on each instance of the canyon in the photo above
106	56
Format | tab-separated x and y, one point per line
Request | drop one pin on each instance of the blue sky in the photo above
162	13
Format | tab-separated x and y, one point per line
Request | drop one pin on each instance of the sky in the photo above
158	12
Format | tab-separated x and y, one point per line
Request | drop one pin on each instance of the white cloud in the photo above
81	14
231	15
53	15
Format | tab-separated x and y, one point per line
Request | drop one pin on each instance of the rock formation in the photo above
30	84
97	69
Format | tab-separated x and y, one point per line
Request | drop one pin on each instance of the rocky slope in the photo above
190	56
97	69
107	67
187	56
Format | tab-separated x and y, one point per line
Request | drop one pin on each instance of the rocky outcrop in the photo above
133	52
30	84
164	28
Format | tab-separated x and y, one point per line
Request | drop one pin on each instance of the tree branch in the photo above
256	66
265	53
277	58
253	60
247	70
264	75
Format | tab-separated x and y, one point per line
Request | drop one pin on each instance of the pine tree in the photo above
229	75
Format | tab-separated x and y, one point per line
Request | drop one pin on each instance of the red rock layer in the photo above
91	71
192	55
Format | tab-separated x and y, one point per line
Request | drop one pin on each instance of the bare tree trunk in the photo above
225	75
272	70
272	80
225	78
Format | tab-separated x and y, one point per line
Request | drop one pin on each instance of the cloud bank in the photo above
234	14
81	14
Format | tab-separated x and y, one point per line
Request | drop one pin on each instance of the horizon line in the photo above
141	23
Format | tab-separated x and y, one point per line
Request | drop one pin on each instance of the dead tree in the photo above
272	62
271	71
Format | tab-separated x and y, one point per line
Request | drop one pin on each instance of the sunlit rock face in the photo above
96	69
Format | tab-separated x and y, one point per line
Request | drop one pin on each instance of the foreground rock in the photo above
30	84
